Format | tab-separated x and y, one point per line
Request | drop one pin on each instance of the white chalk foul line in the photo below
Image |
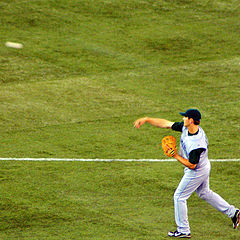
106	160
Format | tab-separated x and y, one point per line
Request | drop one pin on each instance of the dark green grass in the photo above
66	38
72	200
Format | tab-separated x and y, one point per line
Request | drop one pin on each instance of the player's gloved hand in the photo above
169	146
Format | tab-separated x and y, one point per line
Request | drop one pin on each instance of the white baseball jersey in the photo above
192	142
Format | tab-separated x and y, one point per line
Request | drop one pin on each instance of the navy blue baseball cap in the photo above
192	113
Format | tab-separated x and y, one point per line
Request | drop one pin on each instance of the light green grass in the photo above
87	70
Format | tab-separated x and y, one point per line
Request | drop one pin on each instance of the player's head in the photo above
194	114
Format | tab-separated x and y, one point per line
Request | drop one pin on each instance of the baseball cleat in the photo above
177	234
236	219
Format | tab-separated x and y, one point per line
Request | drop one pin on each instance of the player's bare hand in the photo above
139	122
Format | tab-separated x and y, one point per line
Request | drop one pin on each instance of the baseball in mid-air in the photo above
14	45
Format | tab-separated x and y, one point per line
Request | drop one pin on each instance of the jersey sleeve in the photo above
177	126
194	155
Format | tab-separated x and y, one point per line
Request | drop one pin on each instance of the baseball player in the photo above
193	155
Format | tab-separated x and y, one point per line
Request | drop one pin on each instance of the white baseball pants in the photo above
196	181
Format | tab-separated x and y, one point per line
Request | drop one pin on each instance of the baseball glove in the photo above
169	146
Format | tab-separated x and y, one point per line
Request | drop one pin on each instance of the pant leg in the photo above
189	183
205	193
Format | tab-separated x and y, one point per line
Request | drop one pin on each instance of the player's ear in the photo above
191	120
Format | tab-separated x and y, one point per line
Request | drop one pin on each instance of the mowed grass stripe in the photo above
37	104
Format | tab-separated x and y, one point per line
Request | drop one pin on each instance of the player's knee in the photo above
204	195
176	196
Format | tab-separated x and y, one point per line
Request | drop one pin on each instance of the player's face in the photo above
186	121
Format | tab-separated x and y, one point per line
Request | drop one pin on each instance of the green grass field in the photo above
87	71
69	200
